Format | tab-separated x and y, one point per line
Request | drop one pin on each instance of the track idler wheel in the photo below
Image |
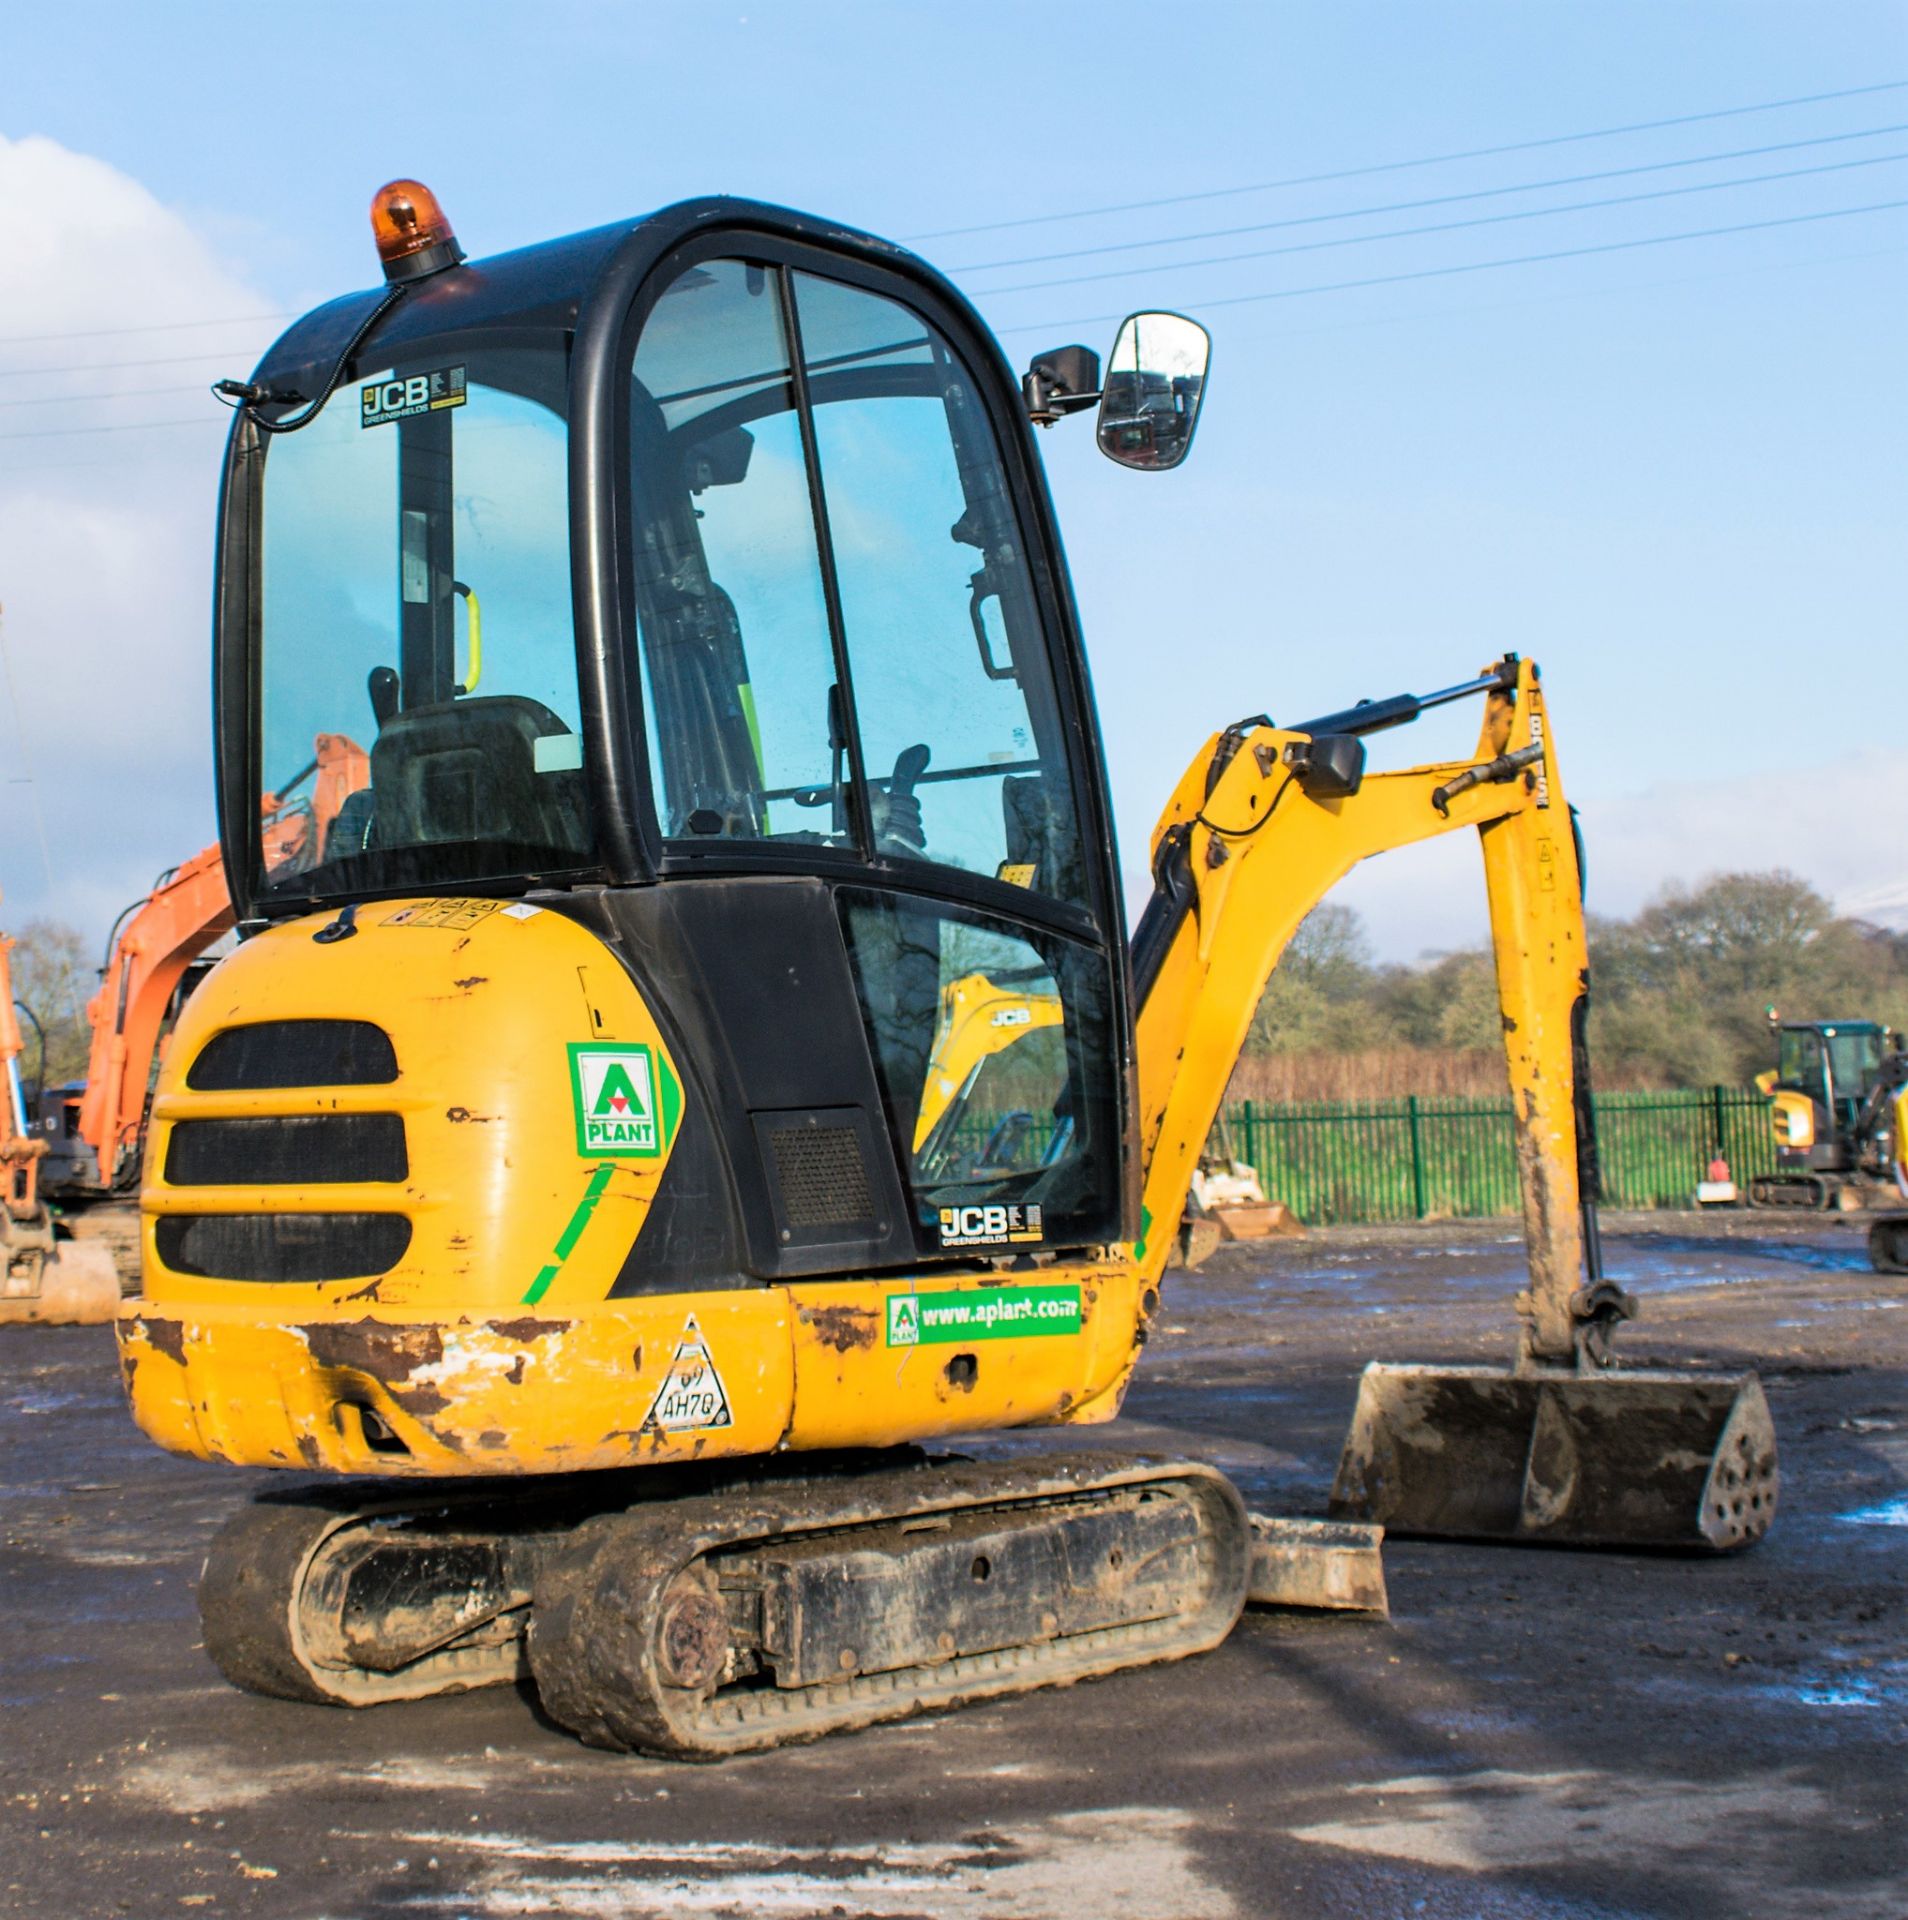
331	1600
775	1613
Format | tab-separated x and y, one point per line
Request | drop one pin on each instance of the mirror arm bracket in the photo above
1048	404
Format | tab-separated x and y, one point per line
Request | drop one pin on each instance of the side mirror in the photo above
1155	386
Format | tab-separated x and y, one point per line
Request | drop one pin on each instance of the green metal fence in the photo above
1415	1158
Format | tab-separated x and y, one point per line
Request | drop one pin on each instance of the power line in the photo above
110	366
1183	199
1449	226
86	399
117	426
162	326
1575	295
1486	266
118	462
1425	160
1436	200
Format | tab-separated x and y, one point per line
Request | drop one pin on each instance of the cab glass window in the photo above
418	702
1855	1061
1801	1061
915	718
946	650
994	1053
740	700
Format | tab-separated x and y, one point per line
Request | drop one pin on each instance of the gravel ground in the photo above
1533	1734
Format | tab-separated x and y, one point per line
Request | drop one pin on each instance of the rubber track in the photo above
593	1627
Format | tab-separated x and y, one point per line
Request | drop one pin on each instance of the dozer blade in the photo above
78	1285
1682	1460
1323	1565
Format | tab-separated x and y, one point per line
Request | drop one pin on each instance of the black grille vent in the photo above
823	1178
327	1149
282	1246
294	1053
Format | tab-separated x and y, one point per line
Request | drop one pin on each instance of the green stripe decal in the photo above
566	1246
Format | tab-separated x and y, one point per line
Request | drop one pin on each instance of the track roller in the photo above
777	1613
333	1600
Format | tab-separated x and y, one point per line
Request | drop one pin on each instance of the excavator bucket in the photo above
1559	1447
77	1284
1608	1459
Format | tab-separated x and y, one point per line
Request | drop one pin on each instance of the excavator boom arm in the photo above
1264	824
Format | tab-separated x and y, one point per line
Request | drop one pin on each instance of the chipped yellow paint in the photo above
800	1367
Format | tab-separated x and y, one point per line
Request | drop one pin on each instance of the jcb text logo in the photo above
382	400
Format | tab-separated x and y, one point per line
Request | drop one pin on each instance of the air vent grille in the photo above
823	1178
327	1149
282	1246
294	1053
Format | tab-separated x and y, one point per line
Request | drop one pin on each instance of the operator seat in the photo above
464	770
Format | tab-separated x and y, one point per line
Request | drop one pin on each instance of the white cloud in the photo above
106	536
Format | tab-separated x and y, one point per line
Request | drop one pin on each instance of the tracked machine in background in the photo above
43	1275
553	1148
1838	1102
1835	1096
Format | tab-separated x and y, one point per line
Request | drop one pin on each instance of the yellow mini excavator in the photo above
551	1149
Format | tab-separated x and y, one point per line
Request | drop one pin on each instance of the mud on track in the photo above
1535	1733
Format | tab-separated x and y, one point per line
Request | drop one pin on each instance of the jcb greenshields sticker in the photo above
981	1313
627	1101
993	1226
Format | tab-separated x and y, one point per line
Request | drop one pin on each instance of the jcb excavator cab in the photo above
696	581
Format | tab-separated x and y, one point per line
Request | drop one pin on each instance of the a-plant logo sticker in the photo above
692	1397
982	1313
627	1100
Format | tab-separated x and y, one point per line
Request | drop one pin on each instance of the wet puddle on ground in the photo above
1884	1513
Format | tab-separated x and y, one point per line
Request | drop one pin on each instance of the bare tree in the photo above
53	978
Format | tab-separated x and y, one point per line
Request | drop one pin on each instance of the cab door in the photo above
871	782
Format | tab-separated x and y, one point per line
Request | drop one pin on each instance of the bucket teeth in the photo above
1611	1459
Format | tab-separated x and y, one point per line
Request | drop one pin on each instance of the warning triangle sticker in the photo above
692	1396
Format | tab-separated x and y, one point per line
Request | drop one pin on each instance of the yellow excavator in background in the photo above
982	1067
560	1149
1838	1104
43	1276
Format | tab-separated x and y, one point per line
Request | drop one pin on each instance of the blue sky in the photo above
1676	473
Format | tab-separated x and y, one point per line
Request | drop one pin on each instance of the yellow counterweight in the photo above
535	1102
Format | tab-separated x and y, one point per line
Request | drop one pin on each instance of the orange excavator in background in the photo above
92	1136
